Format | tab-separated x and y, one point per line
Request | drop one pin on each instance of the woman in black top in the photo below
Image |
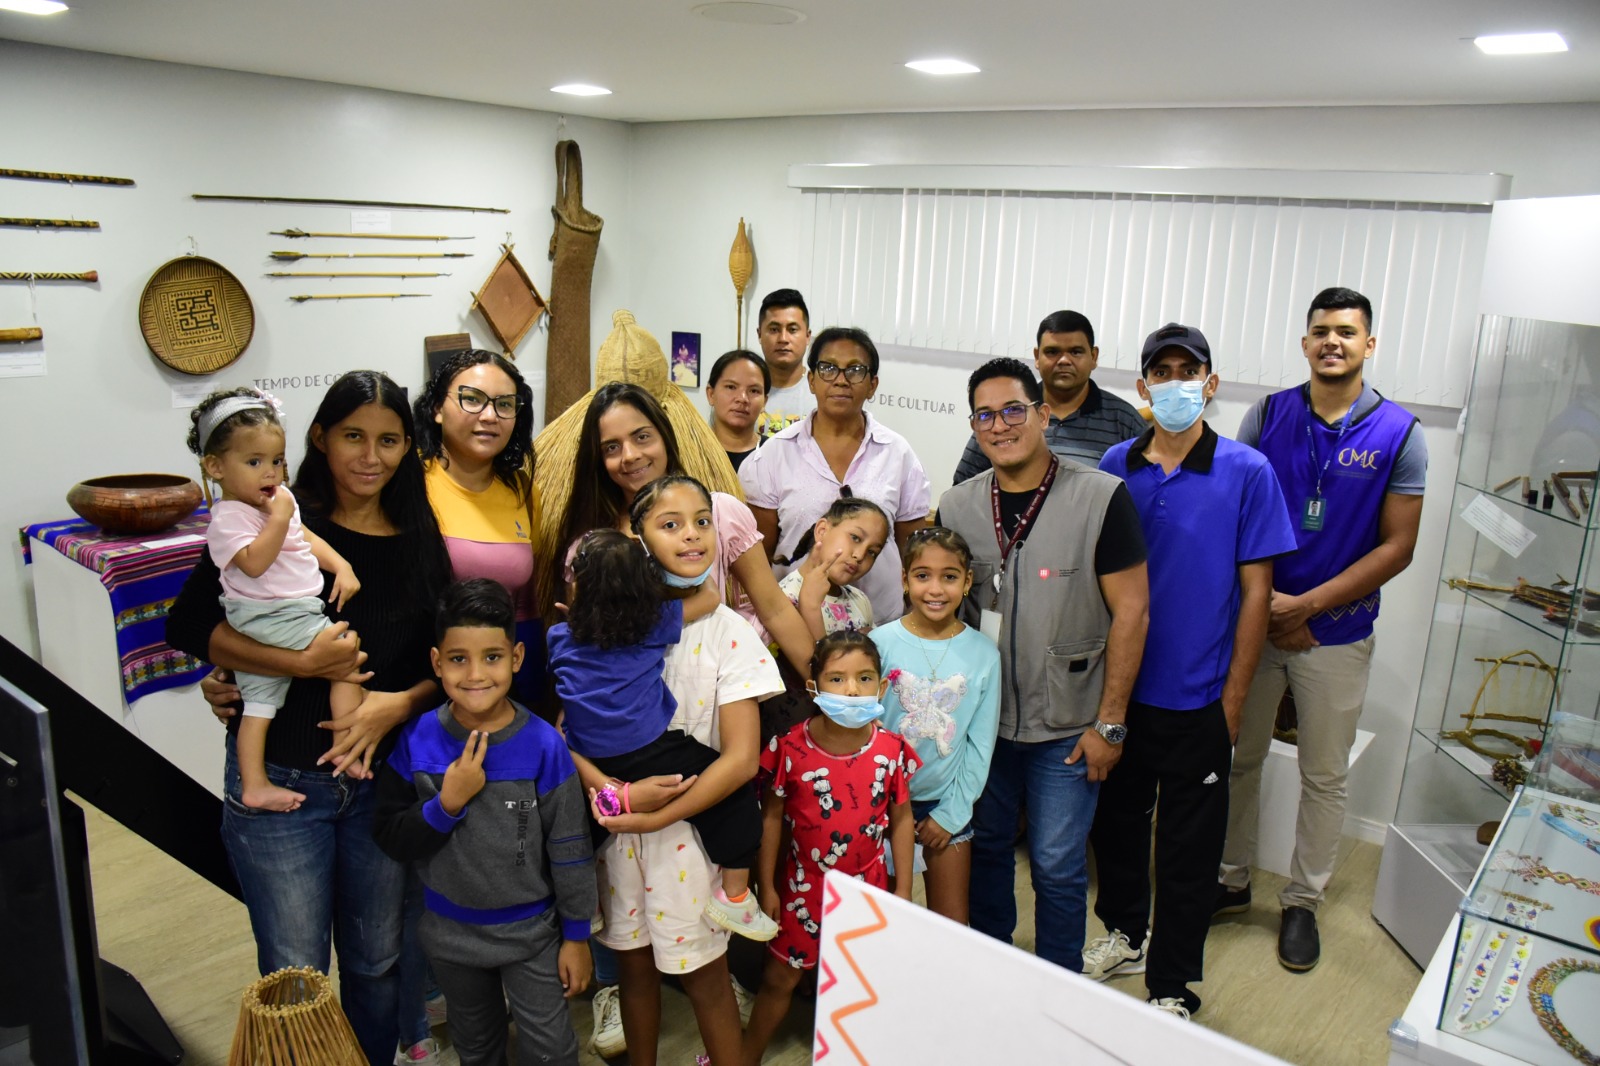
314	875
736	391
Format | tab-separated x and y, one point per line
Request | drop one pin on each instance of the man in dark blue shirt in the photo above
1213	520
1083	420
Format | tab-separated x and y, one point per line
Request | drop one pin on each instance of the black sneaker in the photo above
1231	901
1298	945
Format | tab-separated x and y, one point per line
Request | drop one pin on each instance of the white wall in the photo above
693	181
105	406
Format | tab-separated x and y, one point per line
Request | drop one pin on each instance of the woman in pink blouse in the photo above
626	443
793	478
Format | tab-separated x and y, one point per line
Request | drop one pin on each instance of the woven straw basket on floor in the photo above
291	1018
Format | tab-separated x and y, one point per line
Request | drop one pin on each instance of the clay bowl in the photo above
126	504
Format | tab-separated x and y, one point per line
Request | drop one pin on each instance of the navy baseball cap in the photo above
1173	335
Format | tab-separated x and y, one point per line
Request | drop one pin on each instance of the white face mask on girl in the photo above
848	712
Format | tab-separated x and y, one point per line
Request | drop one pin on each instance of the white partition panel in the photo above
969	270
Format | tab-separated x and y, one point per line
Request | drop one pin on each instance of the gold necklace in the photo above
933	667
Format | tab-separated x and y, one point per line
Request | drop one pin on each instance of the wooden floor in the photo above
190	946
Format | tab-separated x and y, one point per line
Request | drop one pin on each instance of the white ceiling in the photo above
665	62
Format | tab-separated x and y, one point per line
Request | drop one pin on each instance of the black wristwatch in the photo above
1111	732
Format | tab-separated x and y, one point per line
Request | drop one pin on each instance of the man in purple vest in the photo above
1352	465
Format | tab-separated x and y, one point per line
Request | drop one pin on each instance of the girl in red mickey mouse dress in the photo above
840	782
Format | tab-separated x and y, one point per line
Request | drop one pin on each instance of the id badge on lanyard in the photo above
1314	510
989	620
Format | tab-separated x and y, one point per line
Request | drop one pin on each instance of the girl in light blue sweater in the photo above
944	697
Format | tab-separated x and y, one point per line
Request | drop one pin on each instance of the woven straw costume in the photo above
630	354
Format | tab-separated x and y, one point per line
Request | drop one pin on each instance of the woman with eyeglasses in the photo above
475	435
800	472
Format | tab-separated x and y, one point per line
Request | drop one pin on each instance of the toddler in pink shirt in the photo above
271	566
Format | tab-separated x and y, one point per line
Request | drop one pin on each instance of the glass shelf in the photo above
1526	931
1534	408
1529	615
1511	497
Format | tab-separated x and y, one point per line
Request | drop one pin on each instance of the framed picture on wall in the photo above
685	358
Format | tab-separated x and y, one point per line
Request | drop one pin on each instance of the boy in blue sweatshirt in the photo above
485	799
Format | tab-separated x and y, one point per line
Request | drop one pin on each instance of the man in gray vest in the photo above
1058	561
1082	419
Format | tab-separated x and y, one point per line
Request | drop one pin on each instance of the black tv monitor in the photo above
60	1003
42	1005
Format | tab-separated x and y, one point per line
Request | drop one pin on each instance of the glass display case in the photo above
1525	975
1515	636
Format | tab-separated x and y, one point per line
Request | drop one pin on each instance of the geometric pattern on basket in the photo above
195	316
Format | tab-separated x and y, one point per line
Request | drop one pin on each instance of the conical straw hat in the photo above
632	354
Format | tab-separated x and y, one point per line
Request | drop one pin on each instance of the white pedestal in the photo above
1280	802
78	643
1423	875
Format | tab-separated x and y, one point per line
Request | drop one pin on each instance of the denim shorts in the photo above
920	809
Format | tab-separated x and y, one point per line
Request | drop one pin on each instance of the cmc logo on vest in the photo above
1366	460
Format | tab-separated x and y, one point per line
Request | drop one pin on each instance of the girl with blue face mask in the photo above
840	782
630	600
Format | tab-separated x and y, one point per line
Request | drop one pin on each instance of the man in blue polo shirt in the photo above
1352	465
1083	420
1213	519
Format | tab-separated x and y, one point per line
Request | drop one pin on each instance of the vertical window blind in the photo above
975	271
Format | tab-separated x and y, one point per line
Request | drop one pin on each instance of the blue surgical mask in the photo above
1177	404
673	580
848	712
684	582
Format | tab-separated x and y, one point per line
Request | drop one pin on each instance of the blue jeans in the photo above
314	878
1060	803
605	964
416	979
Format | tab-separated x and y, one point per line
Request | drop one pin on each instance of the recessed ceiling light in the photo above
746	13
1520	44
942	66
579	89
33	7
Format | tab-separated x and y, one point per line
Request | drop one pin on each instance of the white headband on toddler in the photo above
231	406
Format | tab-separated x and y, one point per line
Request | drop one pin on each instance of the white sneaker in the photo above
422	1053
746	919
746	1000
438	1011
1172	1005
1111	955
608	1040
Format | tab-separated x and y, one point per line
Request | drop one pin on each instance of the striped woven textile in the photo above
142	581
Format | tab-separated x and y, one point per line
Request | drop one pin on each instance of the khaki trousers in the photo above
1330	686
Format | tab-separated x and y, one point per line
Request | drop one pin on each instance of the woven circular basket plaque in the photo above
195	315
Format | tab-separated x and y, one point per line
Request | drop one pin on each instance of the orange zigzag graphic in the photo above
838	1016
